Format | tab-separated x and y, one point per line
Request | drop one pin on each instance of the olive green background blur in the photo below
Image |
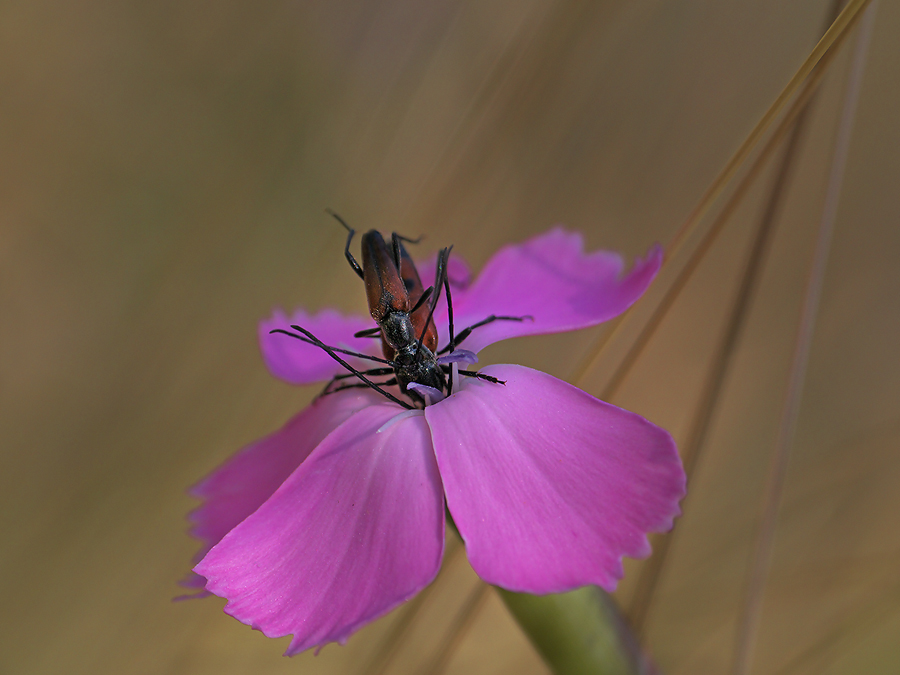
164	170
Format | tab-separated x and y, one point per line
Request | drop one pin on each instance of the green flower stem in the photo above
579	632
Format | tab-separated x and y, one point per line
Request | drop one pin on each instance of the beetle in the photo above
403	311
399	305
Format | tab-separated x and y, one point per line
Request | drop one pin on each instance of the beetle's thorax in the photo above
398	331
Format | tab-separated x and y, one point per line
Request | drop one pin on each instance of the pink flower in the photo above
338	517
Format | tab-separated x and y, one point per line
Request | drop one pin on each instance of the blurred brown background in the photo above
165	167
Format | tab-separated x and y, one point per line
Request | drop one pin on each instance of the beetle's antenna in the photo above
475	374
393	380
331	351
371	371
318	343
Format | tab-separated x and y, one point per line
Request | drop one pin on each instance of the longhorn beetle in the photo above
403	311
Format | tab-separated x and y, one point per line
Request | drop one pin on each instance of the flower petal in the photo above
429	394
549	486
357	529
551	279
246	480
459	356
458	273
299	362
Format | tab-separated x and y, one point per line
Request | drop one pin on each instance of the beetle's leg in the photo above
440	275
465	332
368	332
453	340
396	246
399	254
347	254
332	352
423	298
452	345
407	239
350	258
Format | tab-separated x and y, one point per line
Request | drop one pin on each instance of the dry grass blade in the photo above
696	437
805	80
389	646
833	36
759	569
677	285
457	631
392	642
867	618
690	449
867	615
